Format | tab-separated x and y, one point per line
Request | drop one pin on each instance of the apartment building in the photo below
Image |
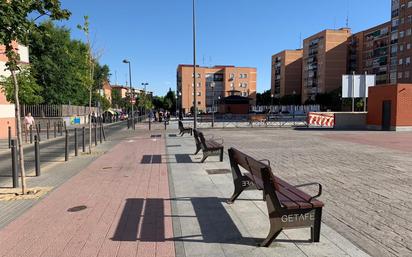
226	80
7	117
401	50
369	51
287	73
324	62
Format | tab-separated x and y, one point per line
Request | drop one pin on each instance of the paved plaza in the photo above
146	194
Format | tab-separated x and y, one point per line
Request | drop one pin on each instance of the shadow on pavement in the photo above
157	159
215	223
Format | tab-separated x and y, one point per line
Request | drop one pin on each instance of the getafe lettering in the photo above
298	217
247	183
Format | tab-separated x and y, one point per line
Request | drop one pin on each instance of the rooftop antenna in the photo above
347	14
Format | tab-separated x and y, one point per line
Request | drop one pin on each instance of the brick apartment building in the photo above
324	62
7	117
287	73
226	80
369	51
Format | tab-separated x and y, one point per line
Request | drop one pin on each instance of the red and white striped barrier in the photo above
321	119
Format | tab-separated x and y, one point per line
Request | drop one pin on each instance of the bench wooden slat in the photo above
288	206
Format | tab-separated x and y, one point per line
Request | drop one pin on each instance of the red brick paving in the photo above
127	213
401	141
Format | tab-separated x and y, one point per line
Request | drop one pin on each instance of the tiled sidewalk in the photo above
123	211
205	225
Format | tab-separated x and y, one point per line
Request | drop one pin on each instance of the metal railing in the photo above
47	110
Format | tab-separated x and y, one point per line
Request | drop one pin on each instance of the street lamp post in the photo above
212	85
271	103
131	91
145	95
194	65
294	106
180	106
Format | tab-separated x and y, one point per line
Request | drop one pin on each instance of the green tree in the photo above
16	24
58	64
29	90
117	99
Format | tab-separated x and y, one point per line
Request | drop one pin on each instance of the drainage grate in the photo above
155	136
217	171
174	146
77	208
172	135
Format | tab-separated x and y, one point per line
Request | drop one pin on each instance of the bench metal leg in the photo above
198	148
274	231
221	155
238	191
315	230
204	158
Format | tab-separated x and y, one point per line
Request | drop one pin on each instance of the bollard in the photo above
101	133
128	123
165	125
55	132
76	144
9	137
83	140
150	124
64	122
31	134
37	155
47	130
38	132
95	134
14	167
61	129
104	133
66	147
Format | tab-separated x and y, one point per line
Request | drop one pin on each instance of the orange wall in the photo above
401	97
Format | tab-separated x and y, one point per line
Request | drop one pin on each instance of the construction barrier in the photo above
326	120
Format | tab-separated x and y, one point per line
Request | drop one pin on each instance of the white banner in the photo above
357	85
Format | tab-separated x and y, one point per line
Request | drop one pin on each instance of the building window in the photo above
400	75
408	60
199	84
407	74
232	76
409	4
401	34
232	85
400	61
408	32
408	46
401	48
199	93
199	103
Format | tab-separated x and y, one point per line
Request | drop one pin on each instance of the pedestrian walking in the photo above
29	122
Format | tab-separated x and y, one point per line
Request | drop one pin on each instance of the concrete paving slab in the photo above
211	227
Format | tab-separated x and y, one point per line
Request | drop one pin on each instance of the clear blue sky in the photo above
156	34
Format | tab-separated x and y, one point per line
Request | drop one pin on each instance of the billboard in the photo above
357	85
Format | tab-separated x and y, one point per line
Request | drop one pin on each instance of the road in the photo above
52	151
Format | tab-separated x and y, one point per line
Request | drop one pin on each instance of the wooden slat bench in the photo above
184	130
209	147
288	206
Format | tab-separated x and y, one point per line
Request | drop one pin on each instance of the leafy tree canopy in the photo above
29	90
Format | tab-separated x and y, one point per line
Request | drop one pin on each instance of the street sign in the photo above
357	85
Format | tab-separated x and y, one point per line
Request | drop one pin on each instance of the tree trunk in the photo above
19	136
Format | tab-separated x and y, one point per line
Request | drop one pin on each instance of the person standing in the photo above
29	122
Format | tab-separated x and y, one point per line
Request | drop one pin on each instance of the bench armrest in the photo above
313	184
265	160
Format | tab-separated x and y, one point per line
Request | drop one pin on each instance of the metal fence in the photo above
286	108
46	110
